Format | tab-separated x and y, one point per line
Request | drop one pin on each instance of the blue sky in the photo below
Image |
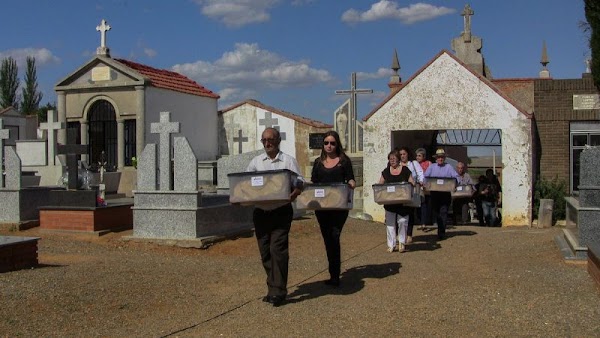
291	54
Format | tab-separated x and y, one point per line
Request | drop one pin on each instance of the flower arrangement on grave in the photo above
100	202
134	162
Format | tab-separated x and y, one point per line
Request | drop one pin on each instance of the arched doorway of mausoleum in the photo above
102	133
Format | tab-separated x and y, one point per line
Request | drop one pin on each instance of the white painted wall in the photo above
197	116
244	118
446	95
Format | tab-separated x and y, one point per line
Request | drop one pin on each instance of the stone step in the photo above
569	246
594	262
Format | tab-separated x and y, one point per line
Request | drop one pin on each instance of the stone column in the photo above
120	144
61	107
140	131
84	139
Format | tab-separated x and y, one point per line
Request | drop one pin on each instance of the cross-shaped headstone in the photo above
103	28
240	140
50	127
72	150
351	130
270	122
165	128
4	135
467	13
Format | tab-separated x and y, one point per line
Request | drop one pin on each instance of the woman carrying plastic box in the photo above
396	214
333	166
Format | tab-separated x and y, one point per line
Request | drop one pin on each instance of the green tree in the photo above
592	15
9	83
31	97
42	112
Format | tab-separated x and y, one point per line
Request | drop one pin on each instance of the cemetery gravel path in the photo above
480	282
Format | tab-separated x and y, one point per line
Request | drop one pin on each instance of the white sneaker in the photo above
390	249
408	239
401	248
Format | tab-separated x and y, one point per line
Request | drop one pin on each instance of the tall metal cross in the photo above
50	127
165	128
353	92
103	28
240	140
72	150
4	135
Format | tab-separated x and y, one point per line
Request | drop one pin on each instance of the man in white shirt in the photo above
272	222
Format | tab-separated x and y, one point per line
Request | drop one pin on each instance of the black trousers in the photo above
440	202
272	229
331	223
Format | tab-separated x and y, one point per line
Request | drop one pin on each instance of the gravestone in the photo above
589	197
233	164
51	126
72	151
182	213
18	205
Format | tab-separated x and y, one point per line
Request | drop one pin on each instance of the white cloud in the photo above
385	9
379	74
42	56
237	13
150	52
248	66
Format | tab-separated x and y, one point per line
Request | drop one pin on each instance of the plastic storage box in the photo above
393	193
444	184
463	191
261	186
326	196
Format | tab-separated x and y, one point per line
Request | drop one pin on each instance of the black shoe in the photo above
441	237
333	282
277	300
266	299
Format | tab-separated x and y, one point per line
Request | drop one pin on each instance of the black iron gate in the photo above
103	134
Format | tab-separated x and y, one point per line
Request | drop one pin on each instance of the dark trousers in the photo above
440	202
331	223
460	210
411	222
272	229
424	211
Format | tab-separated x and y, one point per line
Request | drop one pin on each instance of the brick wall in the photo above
553	110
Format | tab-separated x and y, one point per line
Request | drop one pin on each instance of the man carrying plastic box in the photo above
440	200
272	222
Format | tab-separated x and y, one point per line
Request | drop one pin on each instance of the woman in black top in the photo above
333	166
396	214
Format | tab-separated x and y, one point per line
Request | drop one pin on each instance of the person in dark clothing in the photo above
333	166
478	198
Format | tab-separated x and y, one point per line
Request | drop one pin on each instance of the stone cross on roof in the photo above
467	13
4	135
50	127
103	28
165	128
270	122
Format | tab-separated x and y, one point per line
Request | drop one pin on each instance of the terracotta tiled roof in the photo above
305	120
167	79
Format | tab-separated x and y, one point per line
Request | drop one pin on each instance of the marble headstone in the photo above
186	166
233	164
146	169
589	197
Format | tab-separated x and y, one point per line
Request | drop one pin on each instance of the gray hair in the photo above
421	151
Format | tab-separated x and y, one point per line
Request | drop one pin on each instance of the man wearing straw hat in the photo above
440	200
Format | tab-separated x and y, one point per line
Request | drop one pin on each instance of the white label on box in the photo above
459	188
319	192
391	189
440	182
257	181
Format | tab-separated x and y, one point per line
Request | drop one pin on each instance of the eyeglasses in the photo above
333	143
270	140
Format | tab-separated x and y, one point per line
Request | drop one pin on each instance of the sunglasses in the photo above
333	143
270	140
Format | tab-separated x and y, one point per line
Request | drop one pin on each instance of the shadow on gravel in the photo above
351	281
431	242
